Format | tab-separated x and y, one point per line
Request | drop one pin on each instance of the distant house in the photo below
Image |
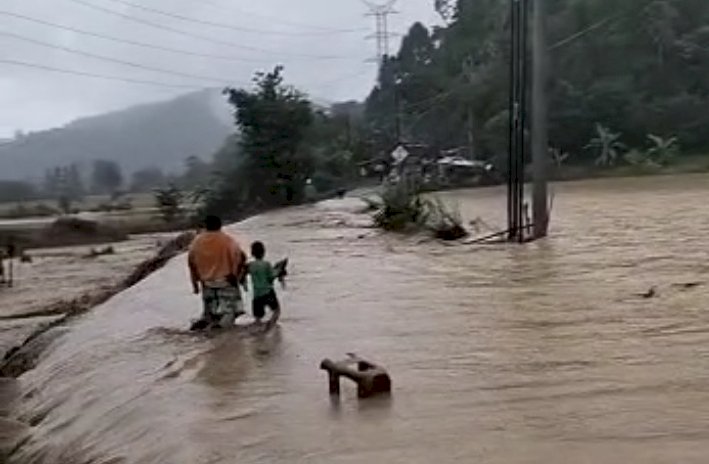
377	167
420	164
413	163
456	170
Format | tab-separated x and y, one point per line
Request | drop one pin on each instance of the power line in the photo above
130	42
97	76
128	80
220	25
113	60
432	101
197	36
273	19
598	25
585	31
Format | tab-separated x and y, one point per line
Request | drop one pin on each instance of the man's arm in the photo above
194	274
244	272
240	268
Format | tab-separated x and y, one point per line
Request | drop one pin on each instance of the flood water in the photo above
543	353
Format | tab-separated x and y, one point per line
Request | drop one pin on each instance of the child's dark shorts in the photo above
260	304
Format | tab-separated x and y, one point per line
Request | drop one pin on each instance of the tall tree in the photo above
107	176
197	173
65	184
273	120
147	179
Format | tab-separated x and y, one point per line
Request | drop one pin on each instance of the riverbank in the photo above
65	282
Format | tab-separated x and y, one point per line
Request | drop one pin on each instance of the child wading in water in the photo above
262	278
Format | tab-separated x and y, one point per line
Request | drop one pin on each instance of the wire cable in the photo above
598	25
114	60
130	42
199	36
274	19
97	76
221	25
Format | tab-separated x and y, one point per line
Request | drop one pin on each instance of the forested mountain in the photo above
158	135
636	67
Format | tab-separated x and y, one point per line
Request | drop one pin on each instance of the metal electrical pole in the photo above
382	35
540	136
518	120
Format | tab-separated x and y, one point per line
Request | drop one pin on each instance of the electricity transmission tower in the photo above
382	35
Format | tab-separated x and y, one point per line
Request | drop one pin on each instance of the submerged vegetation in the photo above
401	208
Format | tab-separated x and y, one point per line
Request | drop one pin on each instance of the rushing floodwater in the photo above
541	353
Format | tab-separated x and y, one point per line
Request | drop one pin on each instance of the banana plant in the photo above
607	146
663	150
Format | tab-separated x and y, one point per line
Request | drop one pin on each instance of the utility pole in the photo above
518	120
540	136
397	110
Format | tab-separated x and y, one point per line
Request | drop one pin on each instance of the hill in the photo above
160	134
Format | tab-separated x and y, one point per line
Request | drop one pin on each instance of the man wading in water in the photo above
217	265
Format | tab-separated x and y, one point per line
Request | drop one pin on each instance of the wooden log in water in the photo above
370	378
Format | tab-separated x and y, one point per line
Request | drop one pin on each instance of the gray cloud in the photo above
32	99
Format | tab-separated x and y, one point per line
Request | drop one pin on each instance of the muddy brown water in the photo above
541	353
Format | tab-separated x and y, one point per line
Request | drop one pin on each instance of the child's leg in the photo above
273	303
259	308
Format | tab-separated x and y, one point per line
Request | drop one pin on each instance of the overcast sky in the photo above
320	42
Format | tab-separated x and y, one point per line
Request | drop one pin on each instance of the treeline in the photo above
103	177
620	72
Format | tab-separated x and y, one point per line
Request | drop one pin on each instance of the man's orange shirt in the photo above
214	256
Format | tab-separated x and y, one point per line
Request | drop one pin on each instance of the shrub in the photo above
401	209
444	222
169	201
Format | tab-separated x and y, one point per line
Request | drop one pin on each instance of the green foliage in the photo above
106	176
197	173
639	67
444	222
169	201
65	184
639	158
606	146
400	208
663	150
12	190
282	142
273	120
147	179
